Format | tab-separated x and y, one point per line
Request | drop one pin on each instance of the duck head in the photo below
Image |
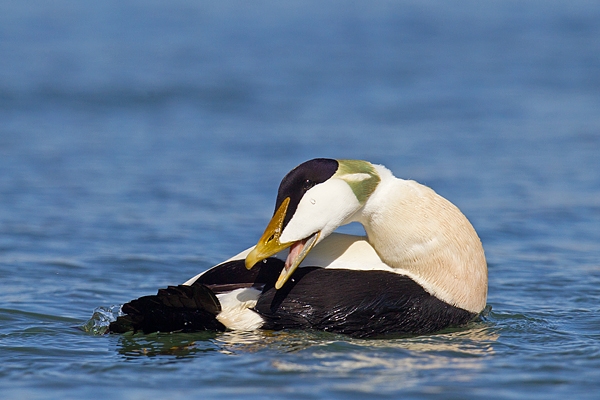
313	200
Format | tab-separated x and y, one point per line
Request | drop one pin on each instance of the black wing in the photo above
358	303
195	307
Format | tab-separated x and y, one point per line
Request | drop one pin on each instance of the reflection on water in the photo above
265	359
383	364
166	344
473	340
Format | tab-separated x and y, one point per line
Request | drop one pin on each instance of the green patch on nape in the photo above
360	175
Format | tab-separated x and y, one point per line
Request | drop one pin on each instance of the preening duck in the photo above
421	267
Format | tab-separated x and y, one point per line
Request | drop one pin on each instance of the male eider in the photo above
421	267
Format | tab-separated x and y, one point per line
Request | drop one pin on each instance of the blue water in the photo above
141	142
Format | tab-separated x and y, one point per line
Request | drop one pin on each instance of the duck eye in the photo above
307	184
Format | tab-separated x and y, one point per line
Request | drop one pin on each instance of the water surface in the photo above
143	142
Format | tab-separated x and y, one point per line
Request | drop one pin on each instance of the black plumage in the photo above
357	303
177	308
193	308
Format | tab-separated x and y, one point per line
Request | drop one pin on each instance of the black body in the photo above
357	303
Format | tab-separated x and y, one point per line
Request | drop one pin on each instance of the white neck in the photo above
415	230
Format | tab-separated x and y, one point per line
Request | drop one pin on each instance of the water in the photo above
143	142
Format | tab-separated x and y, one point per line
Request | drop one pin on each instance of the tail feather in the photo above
176	308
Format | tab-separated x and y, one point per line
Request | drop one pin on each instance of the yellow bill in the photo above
269	245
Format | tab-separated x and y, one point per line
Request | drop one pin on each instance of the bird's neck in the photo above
418	232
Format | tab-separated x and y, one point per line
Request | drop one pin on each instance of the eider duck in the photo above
419	269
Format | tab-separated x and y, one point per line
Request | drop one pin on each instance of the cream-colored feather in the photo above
414	229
